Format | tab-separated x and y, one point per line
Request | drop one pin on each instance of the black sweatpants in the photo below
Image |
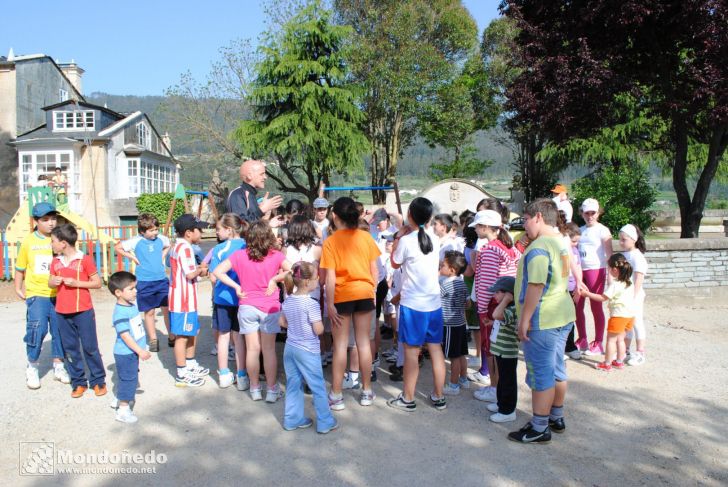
507	390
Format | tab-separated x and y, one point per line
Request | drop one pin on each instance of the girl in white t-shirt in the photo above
633	246
595	247
420	311
620	294
446	230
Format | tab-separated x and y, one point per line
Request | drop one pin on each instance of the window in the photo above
62	95
133	173
73	120
143	137
35	164
149	177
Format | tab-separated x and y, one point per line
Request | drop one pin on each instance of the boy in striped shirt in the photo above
504	347
454	295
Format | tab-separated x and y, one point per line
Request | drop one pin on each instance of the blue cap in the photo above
43	208
505	284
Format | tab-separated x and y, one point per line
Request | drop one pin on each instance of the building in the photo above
28	83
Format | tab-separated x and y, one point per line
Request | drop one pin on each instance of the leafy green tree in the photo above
305	115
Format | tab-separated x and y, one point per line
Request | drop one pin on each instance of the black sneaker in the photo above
529	435
438	403
393	368
396	376
557	426
401	404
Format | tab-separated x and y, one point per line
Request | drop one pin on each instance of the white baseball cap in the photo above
590	204
488	218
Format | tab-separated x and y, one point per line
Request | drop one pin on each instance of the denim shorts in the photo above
544	356
419	327
251	319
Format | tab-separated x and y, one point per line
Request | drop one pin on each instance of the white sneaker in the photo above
478	377
125	415
474	362
503	418
226	380
256	394
464	383
243	383
574	354
273	393
197	370
637	358
60	374
350	382
32	379
492	407
486	394
451	389
213	350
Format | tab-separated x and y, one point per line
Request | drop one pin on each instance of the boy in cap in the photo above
183	319
561	198
504	347
320	217
32	270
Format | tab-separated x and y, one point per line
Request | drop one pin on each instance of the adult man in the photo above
561	198
546	315
243	200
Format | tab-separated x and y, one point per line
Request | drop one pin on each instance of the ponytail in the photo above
505	237
420	212
624	269
424	240
640	242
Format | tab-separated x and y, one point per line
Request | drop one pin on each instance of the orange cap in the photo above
559	188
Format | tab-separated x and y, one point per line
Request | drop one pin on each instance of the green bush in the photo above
158	204
625	194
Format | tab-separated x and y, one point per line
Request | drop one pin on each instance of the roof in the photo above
85	104
119	124
31	57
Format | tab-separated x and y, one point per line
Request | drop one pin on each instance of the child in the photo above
633	245
420	323
320	218
454	294
32	270
148	250
446	230
183	319
573	233
230	229
620	295
259	266
130	343
301	315
73	274
504	347
349	257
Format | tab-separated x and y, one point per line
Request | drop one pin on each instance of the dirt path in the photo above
662	423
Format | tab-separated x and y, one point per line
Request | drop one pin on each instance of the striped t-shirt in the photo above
506	342
301	311
182	291
454	294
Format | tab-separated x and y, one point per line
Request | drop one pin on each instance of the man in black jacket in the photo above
243	200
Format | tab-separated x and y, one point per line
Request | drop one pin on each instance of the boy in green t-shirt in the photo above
32	270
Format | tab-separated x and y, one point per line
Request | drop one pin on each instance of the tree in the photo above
404	52
669	56
305	116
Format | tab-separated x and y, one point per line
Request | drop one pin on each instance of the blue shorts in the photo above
225	318
152	294
184	324
419	327
544	357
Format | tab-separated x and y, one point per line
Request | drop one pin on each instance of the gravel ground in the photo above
655	424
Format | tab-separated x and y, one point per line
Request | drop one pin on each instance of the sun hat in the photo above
590	204
488	218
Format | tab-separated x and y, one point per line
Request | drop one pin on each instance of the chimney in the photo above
74	73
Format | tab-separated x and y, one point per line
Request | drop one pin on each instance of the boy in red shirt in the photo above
73	274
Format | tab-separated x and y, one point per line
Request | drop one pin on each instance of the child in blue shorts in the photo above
148	251
130	343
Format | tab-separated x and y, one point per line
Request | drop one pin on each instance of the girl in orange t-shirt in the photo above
349	259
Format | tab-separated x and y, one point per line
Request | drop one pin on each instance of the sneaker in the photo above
226	380
479	378
324	363
197	370
392	359
374	376
397	374
401	404
557	425
376	362
60	374
213	350
231	355
188	380
616	364
242	383
438	403
329	358
492	407
594	349
329	430
336	404
154	345
389	352
366	398
125	415
273	394
350	382
582	344
78	391
503	418
100	389
451	389
170	341
464	383
32	378
529	435
474	362
114	403
603	366
637	358
486	394
256	394
574	354
307	423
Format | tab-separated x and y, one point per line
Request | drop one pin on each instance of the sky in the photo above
142	47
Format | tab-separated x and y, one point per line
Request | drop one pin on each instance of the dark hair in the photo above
495	205
345	208
640	242
294	207
363	225
571	229
445	219
455	260
234	222
300	232
42	177
359	207
619	261
469	234
58	169
260	240
546	207
300	271
145	221
420	211
465	216
66	233
119	280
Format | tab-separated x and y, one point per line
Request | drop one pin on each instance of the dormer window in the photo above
143	135
73	120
